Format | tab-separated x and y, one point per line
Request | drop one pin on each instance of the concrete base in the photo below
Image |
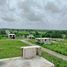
20	62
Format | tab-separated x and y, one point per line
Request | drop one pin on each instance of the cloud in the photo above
39	14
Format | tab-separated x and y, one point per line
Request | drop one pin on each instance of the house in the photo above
11	36
44	40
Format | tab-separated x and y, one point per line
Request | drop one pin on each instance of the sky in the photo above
33	14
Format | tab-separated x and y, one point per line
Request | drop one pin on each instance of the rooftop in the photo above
20	62
43	38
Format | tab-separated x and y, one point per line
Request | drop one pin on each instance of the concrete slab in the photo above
20	62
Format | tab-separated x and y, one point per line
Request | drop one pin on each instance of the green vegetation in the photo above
21	33
58	62
59	46
10	48
36	33
33	41
3	34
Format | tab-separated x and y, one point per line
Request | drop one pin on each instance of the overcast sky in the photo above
33	14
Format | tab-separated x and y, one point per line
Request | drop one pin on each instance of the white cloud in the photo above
43	14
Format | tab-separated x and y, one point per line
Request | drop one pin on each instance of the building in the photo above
11	36
44	40
30	36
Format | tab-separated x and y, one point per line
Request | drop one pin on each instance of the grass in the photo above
10	48
58	46
32	41
57	62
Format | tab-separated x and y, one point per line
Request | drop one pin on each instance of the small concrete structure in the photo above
31	51
44	40
30	36
11	36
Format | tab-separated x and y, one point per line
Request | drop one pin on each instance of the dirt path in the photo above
48	51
